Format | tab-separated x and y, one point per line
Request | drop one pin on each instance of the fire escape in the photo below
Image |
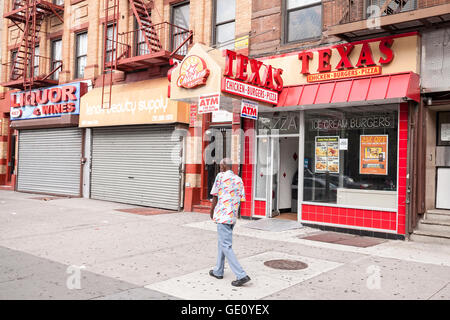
149	45
27	68
385	17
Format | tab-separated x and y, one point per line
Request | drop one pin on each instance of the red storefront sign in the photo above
249	83
48	102
366	65
193	72
192	115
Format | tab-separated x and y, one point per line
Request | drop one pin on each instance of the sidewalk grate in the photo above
146	211
286	264
344	239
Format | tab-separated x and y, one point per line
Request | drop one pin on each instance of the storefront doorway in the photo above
277	174
219	147
443	161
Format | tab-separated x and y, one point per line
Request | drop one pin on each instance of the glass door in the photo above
267	174
273	190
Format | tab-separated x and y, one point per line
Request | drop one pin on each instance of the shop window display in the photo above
351	156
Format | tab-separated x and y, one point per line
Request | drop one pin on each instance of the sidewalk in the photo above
167	256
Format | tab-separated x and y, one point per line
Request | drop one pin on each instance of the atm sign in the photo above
249	109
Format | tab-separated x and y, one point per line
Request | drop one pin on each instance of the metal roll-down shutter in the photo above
136	165
50	161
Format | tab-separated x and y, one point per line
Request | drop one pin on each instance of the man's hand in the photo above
213	205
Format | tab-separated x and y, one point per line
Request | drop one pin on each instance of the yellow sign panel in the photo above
352	73
143	102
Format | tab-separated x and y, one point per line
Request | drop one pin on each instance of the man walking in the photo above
228	192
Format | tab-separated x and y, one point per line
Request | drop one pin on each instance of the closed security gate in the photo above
136	165
50	161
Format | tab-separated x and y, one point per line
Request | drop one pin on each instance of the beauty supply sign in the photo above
373	154
45	103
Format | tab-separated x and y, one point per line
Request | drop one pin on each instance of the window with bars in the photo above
111	45
224	23
388	7
141	45
80	54
56	57
13	60
180	23
36	62
303	20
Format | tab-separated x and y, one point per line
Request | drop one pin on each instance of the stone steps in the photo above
434	228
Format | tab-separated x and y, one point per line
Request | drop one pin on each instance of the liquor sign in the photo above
373	154
345	68
249	109
193	72
45	103
250	82
209	103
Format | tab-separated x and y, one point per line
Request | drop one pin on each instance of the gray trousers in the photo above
225	236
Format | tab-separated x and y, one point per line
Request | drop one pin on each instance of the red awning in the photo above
384	88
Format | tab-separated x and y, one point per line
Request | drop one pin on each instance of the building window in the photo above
36	62
111	44
58	2
351	156
392	7
81	54
56	54
141	45
303	20
16	4
224	23
13	61
180	27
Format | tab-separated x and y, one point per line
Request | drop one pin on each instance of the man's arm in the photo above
214	203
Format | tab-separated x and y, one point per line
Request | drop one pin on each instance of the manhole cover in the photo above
285	264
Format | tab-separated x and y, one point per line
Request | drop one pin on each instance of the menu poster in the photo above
327	154
373	154
445	131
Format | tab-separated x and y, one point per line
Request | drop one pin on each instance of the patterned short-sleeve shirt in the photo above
229	189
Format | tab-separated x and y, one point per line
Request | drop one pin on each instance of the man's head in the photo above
225	164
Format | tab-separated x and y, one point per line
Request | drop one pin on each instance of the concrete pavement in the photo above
48	248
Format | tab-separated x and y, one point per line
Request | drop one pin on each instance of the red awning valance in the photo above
383	87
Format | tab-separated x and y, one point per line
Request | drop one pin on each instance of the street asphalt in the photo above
74	248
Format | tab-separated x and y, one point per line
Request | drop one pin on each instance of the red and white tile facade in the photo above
373	220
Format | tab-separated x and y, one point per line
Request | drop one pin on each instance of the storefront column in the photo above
301	165
192	186
236	141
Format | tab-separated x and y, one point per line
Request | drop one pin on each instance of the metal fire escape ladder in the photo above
23	64
28	16
109	67
146	27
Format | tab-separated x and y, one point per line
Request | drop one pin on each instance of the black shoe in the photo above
211	273
240	282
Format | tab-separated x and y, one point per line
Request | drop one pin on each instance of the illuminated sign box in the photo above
47	102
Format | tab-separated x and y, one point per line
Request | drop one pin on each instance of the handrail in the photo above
163	36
